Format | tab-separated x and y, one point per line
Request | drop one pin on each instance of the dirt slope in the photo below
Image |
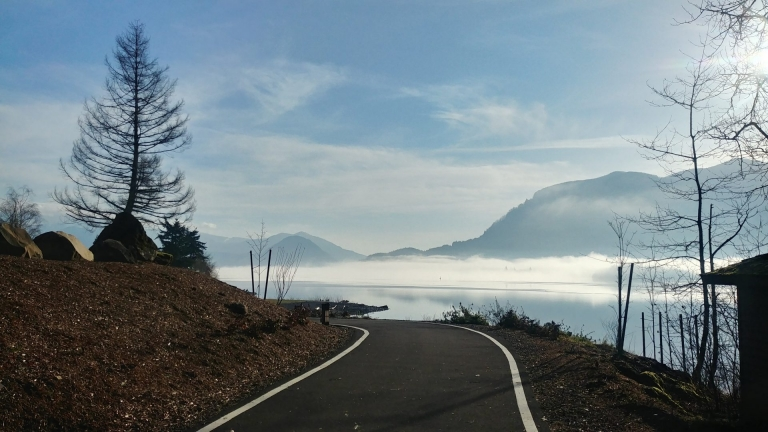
585	387
108	346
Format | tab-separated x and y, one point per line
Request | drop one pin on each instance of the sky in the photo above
376	125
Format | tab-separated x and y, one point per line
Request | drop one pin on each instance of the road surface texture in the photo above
405	376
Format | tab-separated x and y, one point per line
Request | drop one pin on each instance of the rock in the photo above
163	258
126	229
112	251
237	308
61	246
16	242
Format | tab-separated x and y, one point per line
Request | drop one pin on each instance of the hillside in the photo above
109	346
564	219
571	218
233	251
312	255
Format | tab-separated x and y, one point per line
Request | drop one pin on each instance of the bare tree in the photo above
737	35
284	269
684	234
116	165
260	243
18	210
620	227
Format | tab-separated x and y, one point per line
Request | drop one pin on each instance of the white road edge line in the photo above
277	390
522	402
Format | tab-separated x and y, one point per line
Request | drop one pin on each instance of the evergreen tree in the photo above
185	246
116	165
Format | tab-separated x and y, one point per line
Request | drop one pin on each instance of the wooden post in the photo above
682	343
669	343
661	340
253	286
626	306
266	279
619	346
642	320
324	313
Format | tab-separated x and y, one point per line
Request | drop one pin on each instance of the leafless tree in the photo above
284	269
116	165
620	227
686	234
19	211
260	243
737	33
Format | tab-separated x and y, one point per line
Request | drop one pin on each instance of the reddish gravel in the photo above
109	346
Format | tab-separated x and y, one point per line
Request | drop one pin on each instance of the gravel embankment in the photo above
109	346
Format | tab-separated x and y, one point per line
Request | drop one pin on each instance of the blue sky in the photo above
373	124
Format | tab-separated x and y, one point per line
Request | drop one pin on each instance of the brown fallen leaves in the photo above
109	346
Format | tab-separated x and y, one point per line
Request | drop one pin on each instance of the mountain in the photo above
564	219
336	252
312	255
233	251
409	251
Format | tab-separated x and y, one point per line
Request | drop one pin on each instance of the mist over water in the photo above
575	290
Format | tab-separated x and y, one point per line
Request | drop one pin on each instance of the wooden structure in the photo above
751	279
325	312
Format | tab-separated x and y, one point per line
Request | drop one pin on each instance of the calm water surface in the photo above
578	291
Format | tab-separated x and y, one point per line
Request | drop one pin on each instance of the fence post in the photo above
253	286
626	306
619	346
266	281
682	343
669	345
661	340
642	319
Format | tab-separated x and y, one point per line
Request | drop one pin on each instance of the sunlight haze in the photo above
376	125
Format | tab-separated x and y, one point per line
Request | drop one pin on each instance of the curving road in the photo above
407	376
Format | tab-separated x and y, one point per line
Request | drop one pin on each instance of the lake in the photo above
579	291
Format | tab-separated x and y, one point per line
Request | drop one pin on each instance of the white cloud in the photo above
34	135
368	199
263	93
477	116
608	142
491	118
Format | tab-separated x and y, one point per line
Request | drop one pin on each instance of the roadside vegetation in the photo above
584	384
510	317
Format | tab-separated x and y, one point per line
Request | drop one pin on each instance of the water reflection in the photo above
575	290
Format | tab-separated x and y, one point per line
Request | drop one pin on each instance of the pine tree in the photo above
185	246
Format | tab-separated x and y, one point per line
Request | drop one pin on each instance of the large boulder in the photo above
128	230
16	242
111	251
60	246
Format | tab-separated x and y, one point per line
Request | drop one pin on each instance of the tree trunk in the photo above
715	340
701	355
133	188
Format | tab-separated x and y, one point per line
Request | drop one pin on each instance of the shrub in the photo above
464	315
515	318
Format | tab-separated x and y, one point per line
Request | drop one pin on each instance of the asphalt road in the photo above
405	376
